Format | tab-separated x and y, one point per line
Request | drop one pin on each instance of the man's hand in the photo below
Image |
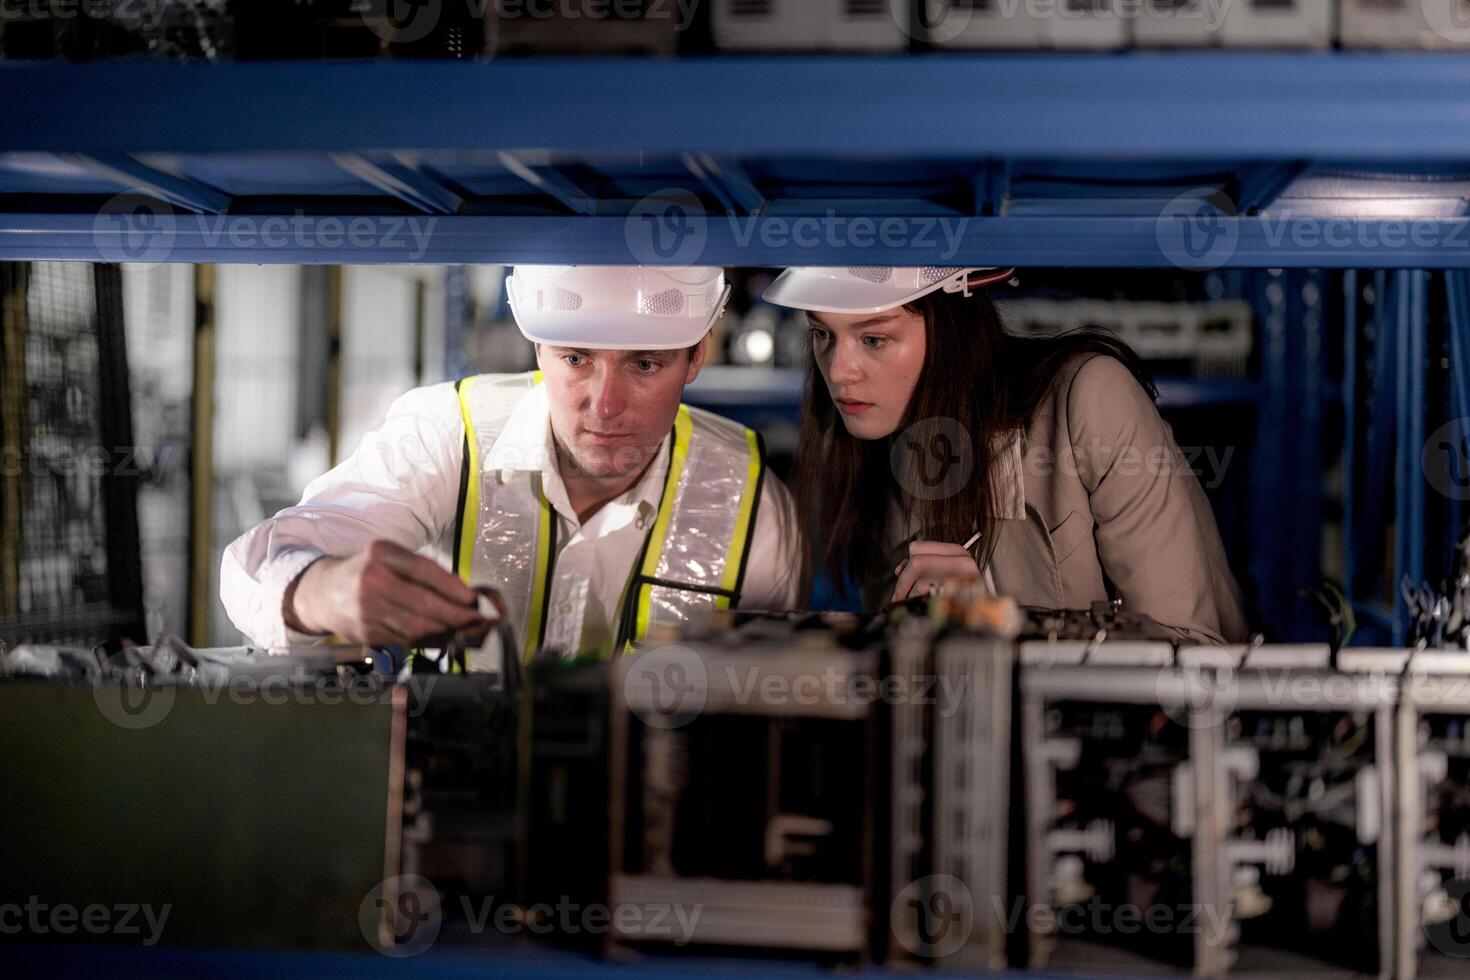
929	563
383	596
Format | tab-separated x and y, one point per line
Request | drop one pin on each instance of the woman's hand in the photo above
929	563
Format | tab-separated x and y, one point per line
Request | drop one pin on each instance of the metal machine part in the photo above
1112	797
1240	803
335	781
1433	832
743	784
843	788
1304	792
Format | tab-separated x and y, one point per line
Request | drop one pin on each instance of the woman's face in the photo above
871	362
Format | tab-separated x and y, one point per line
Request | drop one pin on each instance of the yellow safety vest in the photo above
693	557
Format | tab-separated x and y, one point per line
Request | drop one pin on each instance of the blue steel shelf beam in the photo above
993	188
1260	186
728	181
404	182
138	177
1179	105
759	240
551	182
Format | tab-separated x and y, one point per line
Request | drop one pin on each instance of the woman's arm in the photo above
1155	532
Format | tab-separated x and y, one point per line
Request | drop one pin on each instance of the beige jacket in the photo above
1105	495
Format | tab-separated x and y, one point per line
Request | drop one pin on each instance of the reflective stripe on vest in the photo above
695	553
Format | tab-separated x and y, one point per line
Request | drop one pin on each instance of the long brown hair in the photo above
977	382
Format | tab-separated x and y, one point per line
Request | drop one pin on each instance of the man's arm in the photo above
341	561
773	570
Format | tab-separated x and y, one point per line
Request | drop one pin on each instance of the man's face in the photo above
610	409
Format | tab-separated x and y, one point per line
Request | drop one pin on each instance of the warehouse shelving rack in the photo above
1288	172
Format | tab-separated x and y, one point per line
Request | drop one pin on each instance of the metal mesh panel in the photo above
871	275
69	498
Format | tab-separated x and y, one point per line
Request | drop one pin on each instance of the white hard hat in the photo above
612	307
875	289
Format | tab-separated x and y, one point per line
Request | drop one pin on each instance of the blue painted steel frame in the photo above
1287	540
1179	105
1350	295
1262	117
1080	242
1396	407
1379	435
1457	315
1409	388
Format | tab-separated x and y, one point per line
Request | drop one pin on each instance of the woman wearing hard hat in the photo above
1042	465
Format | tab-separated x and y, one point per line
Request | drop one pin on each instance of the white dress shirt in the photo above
402	484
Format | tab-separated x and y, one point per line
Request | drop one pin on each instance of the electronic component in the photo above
903	789
743	783
1303	781
1111	815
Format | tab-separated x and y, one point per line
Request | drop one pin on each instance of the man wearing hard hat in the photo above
597	506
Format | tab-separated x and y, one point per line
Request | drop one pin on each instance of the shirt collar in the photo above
525	444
